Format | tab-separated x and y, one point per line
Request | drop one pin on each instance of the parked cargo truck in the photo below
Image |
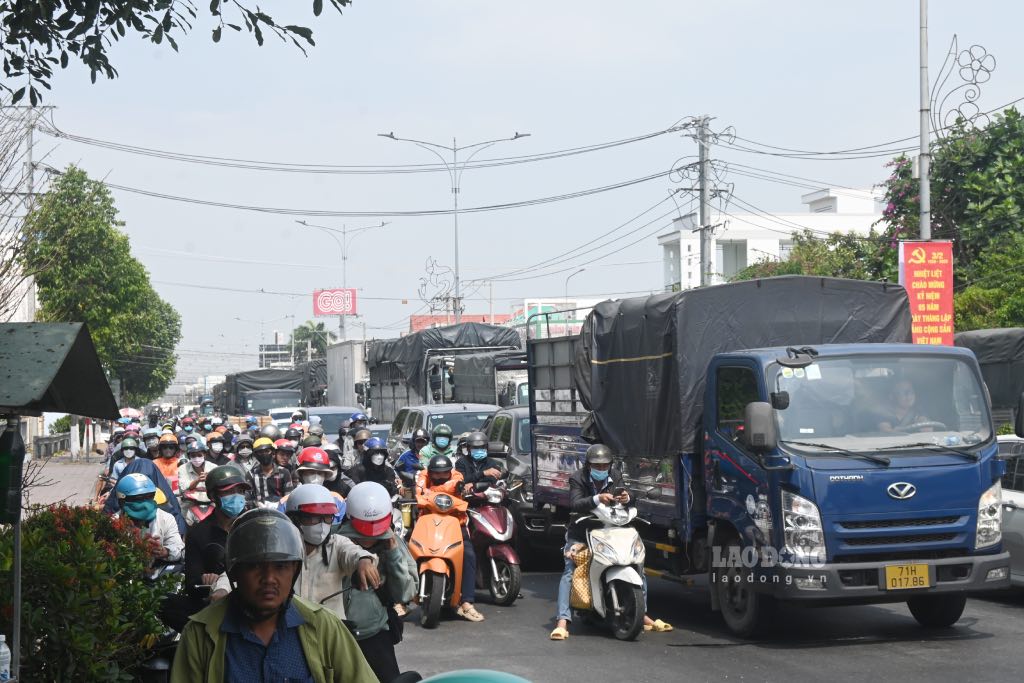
785	441
257	391
419	369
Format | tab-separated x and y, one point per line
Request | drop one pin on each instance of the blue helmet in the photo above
375	444
251	420
135	484
357	417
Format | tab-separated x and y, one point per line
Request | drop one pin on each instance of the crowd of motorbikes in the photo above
430	522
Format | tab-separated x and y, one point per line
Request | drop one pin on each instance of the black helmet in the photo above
271	432
440	463
225	477
476	440
293	434
419	435
599	454
263	535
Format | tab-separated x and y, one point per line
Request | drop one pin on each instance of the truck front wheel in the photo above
937	611
746	612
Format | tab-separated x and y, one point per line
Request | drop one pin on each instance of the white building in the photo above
740	240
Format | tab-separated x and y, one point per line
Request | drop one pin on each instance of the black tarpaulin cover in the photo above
408	353
1001	355
648	355
475	375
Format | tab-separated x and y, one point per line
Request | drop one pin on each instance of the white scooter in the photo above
616	571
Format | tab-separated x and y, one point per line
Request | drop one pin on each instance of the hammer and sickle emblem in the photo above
917	256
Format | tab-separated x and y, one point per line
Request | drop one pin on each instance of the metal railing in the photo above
48	446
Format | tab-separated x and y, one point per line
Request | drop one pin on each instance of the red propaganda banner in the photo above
328	302
926	272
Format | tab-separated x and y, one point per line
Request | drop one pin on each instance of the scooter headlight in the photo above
443	502
603	551
639	551
493	496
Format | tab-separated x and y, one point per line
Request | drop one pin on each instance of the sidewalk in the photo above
71	482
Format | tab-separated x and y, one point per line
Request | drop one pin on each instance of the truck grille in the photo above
889	523
898	540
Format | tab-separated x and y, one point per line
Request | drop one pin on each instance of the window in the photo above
501	430
396	426
1013	480
415	421
736	388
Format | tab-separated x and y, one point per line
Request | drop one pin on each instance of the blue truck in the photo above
785	441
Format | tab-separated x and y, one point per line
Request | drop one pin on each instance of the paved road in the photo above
59	479
849	643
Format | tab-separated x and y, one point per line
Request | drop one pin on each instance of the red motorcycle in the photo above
491	529
196	505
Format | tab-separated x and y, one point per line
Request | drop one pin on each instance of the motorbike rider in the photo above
129	449
137	496
337	480
262	630
441	477
410	460
346	439
478	467
168	459
596	483
204	545
151	440
284	452
215	444
374	466
251	422
310	440
440	444
372	613
271	481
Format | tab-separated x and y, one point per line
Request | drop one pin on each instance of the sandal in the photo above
400	610
560	634
469	613
659	626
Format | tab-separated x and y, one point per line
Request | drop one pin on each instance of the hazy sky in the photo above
800	74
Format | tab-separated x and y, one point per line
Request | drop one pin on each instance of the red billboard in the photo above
327	302
926	272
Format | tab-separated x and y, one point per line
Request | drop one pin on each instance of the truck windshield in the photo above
461	422
891	401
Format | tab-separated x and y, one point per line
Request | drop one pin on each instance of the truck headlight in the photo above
804	536
990	517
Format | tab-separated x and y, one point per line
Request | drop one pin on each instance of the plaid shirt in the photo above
270	488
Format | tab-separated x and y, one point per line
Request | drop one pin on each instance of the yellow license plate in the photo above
906	576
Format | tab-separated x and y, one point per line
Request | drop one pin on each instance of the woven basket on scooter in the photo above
579	596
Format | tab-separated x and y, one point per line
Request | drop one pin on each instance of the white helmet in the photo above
312	499
369	508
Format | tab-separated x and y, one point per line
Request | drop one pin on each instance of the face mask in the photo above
216	447
128	453
232	505
151	442
377	459
141	510
479	454
315	534
439	482
265	458
599	475
442	441
197	461
167	452
188	428
245	452
312	478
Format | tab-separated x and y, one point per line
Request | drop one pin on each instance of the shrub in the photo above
87	615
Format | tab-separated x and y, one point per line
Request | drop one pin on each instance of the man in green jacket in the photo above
262	632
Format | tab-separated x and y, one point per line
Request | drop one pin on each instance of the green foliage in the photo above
40	35
316	335
837	255
86	273
86	613
62	425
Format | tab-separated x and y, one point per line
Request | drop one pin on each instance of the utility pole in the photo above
924	158
704	142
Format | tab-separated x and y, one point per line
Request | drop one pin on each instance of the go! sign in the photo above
327	302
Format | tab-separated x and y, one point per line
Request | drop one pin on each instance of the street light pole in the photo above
567	286
455	173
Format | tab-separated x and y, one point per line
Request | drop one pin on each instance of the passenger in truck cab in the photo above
902	411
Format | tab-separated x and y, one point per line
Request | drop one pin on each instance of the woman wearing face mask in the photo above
375	467
168	460
244	457
137	495
477	467
129	451
192	477
314	468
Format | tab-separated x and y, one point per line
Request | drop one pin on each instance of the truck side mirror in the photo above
759	427
1018	422
497	449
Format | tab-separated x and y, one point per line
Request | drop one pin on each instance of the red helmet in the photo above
314	458
284	445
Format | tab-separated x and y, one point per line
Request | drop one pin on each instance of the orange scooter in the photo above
436	545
